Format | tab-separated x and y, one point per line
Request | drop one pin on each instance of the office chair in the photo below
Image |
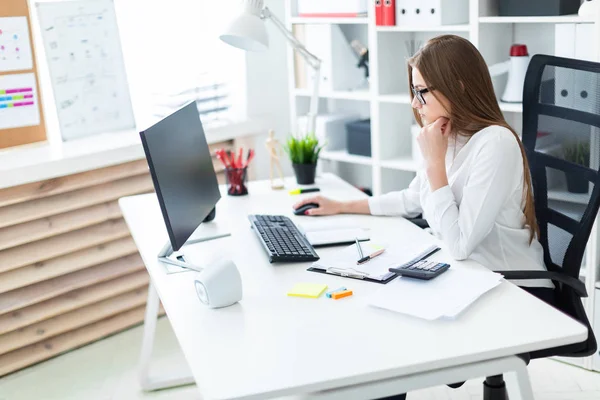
561	135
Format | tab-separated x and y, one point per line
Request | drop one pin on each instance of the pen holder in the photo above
237	178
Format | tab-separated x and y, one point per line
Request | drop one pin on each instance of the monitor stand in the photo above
177	258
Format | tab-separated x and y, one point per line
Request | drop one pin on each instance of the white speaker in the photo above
219	285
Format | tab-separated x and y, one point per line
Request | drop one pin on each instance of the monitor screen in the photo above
182	171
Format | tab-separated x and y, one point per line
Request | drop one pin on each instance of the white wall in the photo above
267	91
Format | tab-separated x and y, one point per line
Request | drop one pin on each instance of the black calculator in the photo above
422	269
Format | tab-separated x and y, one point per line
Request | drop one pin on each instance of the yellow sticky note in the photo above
310	290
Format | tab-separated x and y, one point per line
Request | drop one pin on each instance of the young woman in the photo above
474	190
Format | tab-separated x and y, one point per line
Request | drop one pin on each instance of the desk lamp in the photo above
248	32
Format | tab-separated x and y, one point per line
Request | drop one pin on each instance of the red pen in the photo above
230	158
249	158
222	156
239	159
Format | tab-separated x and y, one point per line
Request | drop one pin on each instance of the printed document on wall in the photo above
18	101
83	50
15	48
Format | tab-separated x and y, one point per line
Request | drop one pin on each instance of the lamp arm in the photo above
310	58
314	61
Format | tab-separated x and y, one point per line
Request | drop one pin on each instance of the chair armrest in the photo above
573	283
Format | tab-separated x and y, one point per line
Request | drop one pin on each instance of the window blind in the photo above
174	56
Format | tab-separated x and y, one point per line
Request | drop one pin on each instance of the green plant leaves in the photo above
303	149
578	153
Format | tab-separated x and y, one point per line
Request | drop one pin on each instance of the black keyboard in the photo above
281	239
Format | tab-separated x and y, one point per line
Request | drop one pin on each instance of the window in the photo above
173	56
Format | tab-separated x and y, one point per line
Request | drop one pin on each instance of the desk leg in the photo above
147	383
518	385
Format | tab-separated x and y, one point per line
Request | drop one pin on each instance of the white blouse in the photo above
479	214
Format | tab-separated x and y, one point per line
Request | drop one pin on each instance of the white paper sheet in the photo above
15	49
321	233
319	238
18	101
445	296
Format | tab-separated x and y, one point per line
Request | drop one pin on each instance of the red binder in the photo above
379	12
389	12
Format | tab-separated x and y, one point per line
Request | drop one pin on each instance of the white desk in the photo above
271	345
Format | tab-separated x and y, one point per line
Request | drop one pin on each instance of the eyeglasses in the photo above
419	94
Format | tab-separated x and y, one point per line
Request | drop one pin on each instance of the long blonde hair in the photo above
453	66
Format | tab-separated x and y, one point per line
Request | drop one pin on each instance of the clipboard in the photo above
359	276
354	271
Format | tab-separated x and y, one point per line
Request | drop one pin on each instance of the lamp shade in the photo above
247	30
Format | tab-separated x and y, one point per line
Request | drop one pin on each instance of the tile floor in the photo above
108	370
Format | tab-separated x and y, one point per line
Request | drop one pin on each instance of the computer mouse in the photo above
302	209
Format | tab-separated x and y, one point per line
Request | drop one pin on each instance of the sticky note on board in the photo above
310	290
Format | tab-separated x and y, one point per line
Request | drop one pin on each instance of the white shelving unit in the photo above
387	102
344	156
348	21
360	95
444	28
562	19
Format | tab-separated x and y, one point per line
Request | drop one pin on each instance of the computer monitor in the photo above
183	175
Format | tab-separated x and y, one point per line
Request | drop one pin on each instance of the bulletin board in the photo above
21	112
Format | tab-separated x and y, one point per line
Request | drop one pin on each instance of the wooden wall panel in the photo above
45	207
52	287
40	271
32	231
72	320
51	347
20	319
63	184
70	272
59	245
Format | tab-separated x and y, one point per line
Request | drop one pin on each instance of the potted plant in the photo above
577	153
304	152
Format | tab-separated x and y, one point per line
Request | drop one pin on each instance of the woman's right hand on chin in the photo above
326	206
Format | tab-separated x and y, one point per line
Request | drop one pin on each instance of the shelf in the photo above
394	98
401	163
360	95
511	107
326	20
344	156
416	28
558	19
563	195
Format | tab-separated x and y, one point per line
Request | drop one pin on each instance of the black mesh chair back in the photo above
561	134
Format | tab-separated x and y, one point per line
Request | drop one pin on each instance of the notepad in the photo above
310	290
319	233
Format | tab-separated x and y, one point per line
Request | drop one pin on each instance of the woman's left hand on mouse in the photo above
326	206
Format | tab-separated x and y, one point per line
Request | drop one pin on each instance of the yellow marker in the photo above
309	190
